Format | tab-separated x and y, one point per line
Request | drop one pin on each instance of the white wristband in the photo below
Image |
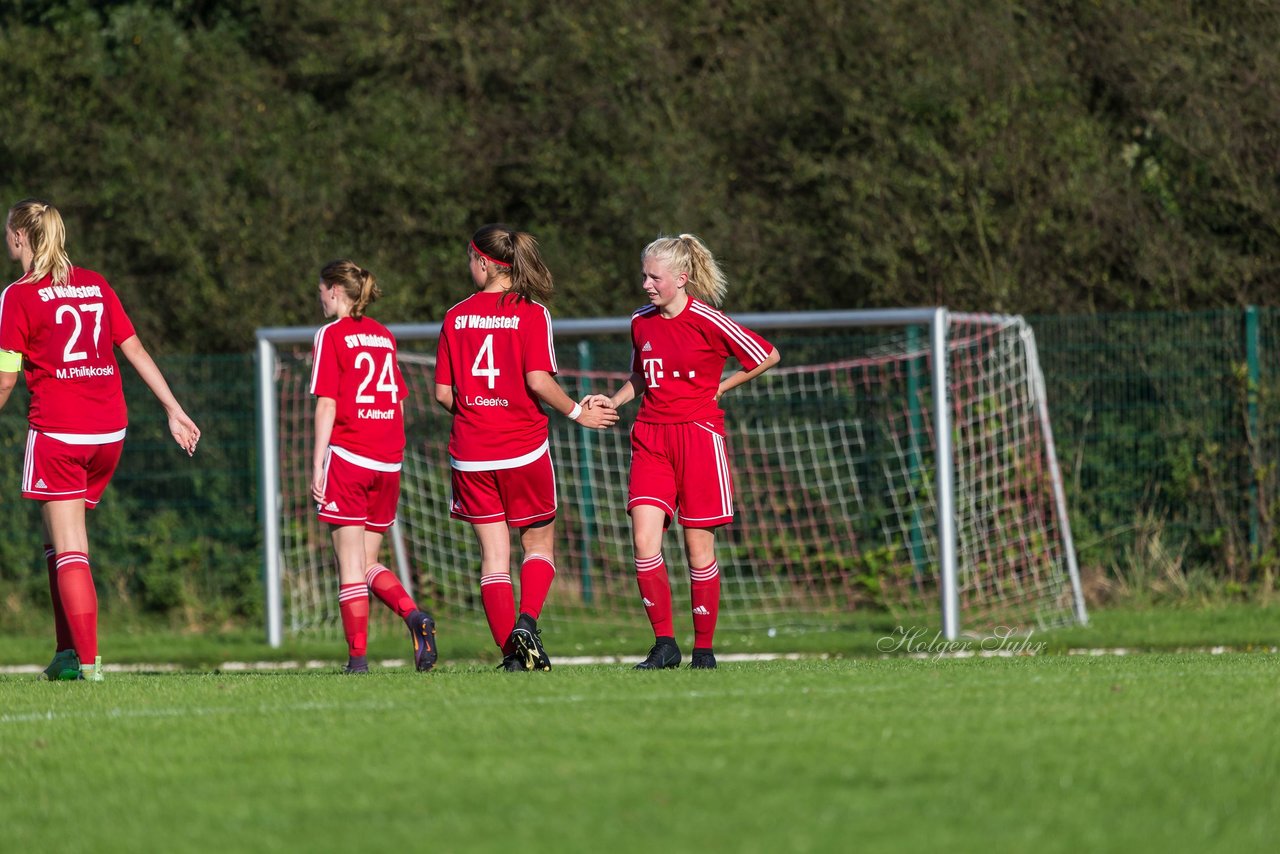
575	412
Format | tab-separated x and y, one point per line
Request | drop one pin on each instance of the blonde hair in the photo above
358	284
688	254
515	254
40	221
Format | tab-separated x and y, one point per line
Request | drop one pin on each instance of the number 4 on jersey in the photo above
487	369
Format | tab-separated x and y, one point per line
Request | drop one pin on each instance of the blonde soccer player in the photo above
681	343
65	322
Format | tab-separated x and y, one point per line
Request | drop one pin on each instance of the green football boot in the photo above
65	661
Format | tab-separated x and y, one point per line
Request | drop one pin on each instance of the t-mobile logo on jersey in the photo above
653	372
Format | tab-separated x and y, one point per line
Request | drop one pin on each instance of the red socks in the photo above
61	630
655	592
499	598
79	603
704	597
499	607
353	603
536	574
387	587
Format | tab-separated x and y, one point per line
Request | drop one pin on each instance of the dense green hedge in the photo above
1048	157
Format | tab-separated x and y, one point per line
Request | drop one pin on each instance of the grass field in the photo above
1156	752
1239	627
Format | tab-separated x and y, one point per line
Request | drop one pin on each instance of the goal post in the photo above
899	459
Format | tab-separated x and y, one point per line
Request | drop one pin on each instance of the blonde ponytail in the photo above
42	225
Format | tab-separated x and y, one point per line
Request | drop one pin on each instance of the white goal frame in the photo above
938	320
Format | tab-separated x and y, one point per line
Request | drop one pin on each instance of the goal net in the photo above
846	499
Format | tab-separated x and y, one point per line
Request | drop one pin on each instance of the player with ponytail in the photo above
359	446
495	368
60	325
679	463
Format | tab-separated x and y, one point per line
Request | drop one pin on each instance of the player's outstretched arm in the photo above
634	387
181	427
548	390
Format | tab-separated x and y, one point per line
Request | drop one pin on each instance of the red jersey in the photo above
682	359
67	335
486	348
354	362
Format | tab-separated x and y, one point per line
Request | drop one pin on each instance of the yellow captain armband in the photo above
10	361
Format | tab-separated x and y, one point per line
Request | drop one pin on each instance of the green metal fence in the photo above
1168	420
1164	420
173	535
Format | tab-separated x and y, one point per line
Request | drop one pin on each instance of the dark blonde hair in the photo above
515	254
688	254
40	221
358	284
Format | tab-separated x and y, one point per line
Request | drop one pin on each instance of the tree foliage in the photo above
1048	157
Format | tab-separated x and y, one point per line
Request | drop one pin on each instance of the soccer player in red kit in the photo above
359	446
66	322
679	468
495	366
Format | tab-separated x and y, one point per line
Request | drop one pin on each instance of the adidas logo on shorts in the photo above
40	484
331	507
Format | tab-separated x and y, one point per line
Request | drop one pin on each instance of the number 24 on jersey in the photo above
386	377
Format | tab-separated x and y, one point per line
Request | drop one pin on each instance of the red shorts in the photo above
683	469
356	495
57	470
520	496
